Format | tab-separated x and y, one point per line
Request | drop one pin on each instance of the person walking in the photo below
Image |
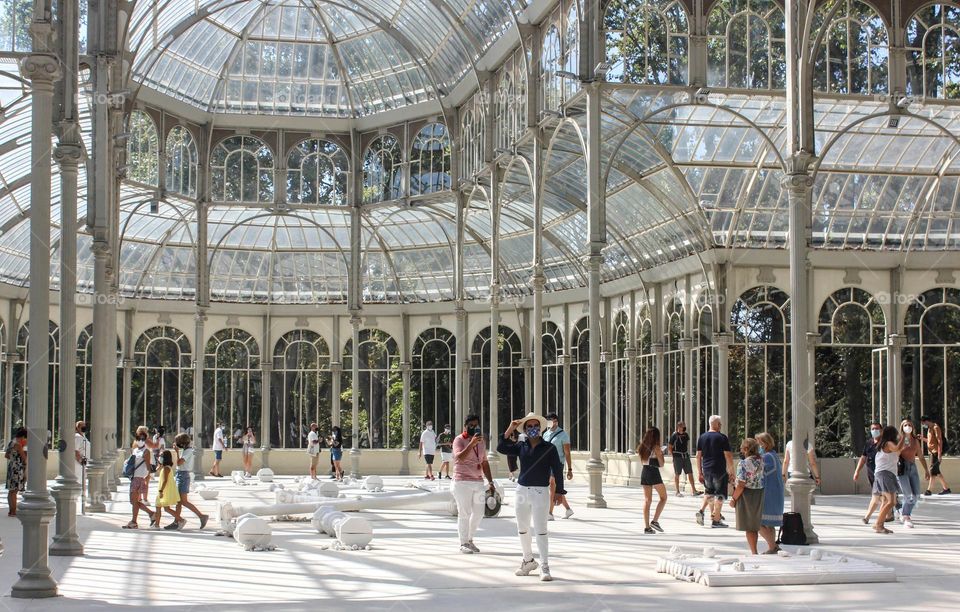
540	466
184	468
16	455
678	447
470	468
811	455
715	465
313	449
935	446
868	459
142	467
336	451
747	498
428	449
910	478
651	457
81	452
167	496
249	442
445	444
219	447
885	484
561	441
772	492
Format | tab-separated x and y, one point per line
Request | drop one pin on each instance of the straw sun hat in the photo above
533	416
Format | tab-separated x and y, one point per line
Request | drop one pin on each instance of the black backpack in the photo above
791	532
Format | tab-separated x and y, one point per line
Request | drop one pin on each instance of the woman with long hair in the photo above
336	451
910	478
249	443
651	456
885	484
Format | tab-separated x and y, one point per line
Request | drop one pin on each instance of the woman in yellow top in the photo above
167	495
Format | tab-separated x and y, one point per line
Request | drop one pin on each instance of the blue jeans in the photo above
909	486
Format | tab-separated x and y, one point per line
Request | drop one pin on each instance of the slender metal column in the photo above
37	508
128	363
606	358
199	349
405	369
355	323
67	488
566	360
9	362
538	281
722	341
494	399
266	401
100	380
895	343
336	371
462	373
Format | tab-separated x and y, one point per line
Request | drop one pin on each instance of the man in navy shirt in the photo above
539	461
715	464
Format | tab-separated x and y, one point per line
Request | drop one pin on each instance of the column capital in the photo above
266	366
355	319
200	317
606	356
68	155
657	348
686	344
723	339
406	367
593	261
896	341
336	367
460	313
128	363
813	340
631	352
525	362
100	249
42	70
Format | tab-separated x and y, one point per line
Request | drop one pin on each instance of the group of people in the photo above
334	443
891	456
247	441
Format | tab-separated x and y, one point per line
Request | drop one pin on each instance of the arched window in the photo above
382	175
301	388
241	170
673	361
163	380
704	368
434	368
430	160
646	372
15	19
506	111
181	157
84	384
647	42
745	45
571	51
232	383
931	361
553	370
851	326
622	437
510	378
381	389
760	364
143	149
933	58
471	139
855	54
21	389
578	423
550	58
317	172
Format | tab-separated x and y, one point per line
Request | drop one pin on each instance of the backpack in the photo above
791	532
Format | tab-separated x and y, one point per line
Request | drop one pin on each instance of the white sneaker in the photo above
568	513
551	518
901	519
472	546
466	549
907	522
545	573
526	567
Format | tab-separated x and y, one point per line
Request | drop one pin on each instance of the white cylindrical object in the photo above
265	475
329	489
252	532
373	483
353	530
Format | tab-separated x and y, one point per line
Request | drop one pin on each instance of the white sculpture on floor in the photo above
265	475
351	531
253	533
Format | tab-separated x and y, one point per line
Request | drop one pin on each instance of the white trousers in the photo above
533	504
470	496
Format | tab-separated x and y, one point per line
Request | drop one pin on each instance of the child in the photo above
184	467
167	495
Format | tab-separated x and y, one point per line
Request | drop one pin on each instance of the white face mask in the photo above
907	429
141	443
429	427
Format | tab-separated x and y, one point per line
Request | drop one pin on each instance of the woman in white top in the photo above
249	443
885	477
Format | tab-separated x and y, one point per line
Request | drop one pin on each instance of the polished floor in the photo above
601	560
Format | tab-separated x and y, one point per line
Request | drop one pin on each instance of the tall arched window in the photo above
20	369
550	82
745	45
301	388
673	361
430	160
84	384
382	170
851	326
854	57
163	380
510	378
317	173
381	389
553	370
933	58
704	369
182	159
647	42
760	364
434	367
621	383
571	50
578	423
646	372
143	149
506	111
471	138
232	386
241	170
931	361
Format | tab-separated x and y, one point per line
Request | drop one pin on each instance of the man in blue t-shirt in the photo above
715	464
560	439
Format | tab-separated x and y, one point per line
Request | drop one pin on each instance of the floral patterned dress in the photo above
16	469
750	504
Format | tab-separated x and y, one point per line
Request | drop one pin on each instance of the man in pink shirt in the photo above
470	467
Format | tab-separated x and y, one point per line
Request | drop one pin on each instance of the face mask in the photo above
83	430
429	427
472	431
743	456
875	433
141	443
446	430
533	432
907	429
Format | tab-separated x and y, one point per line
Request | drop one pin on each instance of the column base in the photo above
355	463
404	461
265	457
93	502
801	490
595	476
66	540
36	581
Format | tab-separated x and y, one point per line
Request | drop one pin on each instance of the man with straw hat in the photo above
539	461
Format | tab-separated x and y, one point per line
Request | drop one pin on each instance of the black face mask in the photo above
83	430
742	456
472	431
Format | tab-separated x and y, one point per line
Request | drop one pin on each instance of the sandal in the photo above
131	525
771	551
866	521
882	530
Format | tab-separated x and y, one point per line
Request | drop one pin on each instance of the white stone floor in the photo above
601	560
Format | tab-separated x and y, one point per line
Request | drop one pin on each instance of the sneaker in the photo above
902	519
473	546
908	522
718	524
174	526
568	513
656	525
700	517
945	492
551	518
697	493
545	573
155	525
678	494
649	530
182	522
928	492
466	549
526	567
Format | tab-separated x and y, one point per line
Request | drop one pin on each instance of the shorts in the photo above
183	481
218	455
650	476
446	457
428	459
885	482
934	464
716	485
138	486
681	464
870	478
314	461
336	454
